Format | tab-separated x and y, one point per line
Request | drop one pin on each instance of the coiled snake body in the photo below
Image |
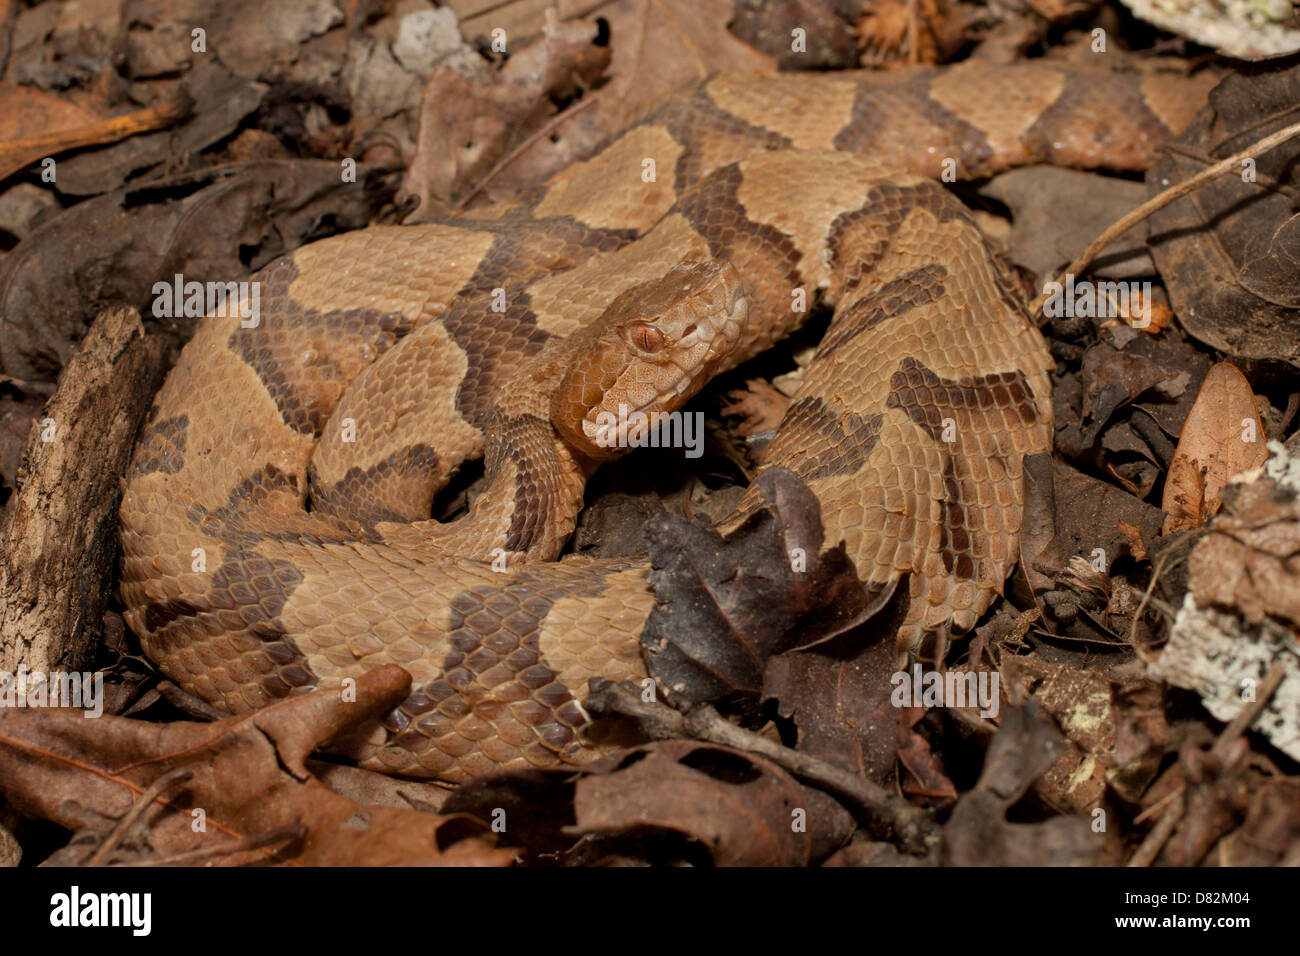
379	364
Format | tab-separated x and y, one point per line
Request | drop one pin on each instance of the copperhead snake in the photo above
615	290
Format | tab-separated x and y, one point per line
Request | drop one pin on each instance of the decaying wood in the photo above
58	539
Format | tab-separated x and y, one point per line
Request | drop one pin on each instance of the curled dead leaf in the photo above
725	605
246	797
1137	547
1223	437
1248	560
1026	746
64	125
743	809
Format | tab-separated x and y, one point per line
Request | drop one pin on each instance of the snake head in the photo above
652	349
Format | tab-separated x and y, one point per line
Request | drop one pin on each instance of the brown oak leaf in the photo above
240	780
1222	438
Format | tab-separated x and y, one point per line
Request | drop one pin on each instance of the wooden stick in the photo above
1158	202
912	828
160	786
17	153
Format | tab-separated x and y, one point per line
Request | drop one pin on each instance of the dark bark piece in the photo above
58	540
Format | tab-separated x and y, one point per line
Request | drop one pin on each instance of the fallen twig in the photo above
1160	833
913	828
1157	202
1252	709
1175	802
160	786
17	153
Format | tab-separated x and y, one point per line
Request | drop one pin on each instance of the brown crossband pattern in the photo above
276	534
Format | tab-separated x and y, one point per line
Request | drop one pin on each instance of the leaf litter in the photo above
1193	591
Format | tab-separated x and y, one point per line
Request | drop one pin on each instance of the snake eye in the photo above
646	337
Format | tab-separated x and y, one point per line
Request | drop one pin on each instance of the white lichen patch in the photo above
1218	653
1247	29
1224	659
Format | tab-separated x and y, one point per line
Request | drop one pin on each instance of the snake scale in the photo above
275	519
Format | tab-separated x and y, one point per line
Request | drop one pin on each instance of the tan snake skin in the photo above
383	360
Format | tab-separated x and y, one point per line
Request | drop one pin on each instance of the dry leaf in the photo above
759	406
467	128
1225	252
745	810
247	776
725	605
1222	438
1137	547
656	48
661	46
1248	560
978	832
837	696
215	223
1112	379
1087	514
925	772
63	126
1042	240
535	807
